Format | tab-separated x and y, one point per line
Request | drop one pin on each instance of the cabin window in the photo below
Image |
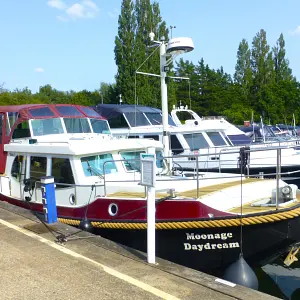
100	126
159	160
118	122
46	126
90	112
11	118
154	118
216	138
62	172
41	112
77	125
37	167
95	165
175	145
226	139
133	136
17	166
21	131
68	111
183	116
136	119
131	160
196	141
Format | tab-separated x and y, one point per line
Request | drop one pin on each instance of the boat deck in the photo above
186	194
247	208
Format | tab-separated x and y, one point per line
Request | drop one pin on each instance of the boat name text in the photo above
215	236
210	246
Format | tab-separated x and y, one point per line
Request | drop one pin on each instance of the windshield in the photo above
95	165
77	125
136	119
216	138
46	126
196	141
100	126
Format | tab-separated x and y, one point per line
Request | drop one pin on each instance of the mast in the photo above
164	97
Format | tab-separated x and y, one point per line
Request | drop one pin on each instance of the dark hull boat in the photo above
212	249
184	232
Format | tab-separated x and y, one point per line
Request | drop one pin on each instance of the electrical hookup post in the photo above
148	179
48	199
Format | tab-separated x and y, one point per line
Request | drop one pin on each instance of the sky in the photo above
69	43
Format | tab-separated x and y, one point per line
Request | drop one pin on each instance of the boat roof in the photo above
50	110
113	110
81	146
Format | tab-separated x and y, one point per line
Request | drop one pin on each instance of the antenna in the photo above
120	99
171	28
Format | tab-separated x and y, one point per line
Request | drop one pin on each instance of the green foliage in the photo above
132	53
262	85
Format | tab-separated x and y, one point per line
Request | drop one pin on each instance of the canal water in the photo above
280	281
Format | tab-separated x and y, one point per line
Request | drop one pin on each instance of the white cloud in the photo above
85	9
39	70
113	14
59	4
62	18
295	31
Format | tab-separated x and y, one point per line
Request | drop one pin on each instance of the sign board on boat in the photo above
148	174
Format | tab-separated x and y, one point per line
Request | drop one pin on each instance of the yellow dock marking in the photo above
124	277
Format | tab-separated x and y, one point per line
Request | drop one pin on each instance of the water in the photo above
279	280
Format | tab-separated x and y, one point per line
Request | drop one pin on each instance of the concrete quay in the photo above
34	266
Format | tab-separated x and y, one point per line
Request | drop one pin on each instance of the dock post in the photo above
148	179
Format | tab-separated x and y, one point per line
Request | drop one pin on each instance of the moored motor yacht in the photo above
198	224
201	143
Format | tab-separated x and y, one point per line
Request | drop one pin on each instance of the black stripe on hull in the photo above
211	250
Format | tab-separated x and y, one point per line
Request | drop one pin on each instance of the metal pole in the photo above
151	218
164	99
197	174
277	176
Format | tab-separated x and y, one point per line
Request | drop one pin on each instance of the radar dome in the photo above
180	45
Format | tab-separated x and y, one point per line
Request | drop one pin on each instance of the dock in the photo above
34	266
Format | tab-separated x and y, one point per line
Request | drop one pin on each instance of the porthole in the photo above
113	209
72	199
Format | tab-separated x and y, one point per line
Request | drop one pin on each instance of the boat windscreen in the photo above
90	112
95	165
68	110
41	112
154	118
77	125
196	141
239	139
216	138
100	126
46	126
136	119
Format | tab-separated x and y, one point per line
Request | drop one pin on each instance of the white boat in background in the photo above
201	143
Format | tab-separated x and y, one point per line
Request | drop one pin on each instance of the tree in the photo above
281	64
263	73
243	71
124	55
132	53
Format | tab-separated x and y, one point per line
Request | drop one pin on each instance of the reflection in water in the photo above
279	280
